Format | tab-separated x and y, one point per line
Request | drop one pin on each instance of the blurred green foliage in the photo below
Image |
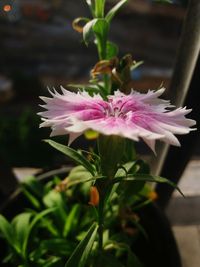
21	140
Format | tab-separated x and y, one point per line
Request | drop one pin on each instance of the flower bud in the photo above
94	196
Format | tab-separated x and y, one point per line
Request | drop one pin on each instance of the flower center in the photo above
116	112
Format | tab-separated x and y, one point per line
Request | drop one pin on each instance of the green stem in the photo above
101	222
107	83
102	55
101	49
104	191
111	150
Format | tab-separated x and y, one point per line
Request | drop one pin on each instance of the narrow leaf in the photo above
159	179
33	200
72	220
55	199
33	223
21	224
114	10
7	230
78	175
58	245
124	169
82	251
146	178
73	154
52	262
91	4
88	31
34	186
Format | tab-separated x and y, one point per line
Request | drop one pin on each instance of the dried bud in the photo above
104	67
77	24
62	186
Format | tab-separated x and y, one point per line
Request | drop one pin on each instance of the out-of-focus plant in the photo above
21	133
56	219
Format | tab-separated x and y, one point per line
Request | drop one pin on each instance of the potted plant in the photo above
98	215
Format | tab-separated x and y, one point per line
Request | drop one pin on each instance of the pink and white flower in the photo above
132	116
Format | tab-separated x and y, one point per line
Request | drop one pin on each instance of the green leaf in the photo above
72	220
111	50
125	190
21	224
79	171
88	31
91	4
78	175
50	225
125	169
33	223
55	199
114	10
98	28
159	179
82	251
147	178
73	154
33	185
57	246
8	232
52	261
33	190
33	200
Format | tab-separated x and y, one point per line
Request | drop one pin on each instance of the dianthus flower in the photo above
133	116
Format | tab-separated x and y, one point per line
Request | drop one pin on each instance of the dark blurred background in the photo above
39	48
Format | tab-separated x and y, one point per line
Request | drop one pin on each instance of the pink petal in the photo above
132	116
